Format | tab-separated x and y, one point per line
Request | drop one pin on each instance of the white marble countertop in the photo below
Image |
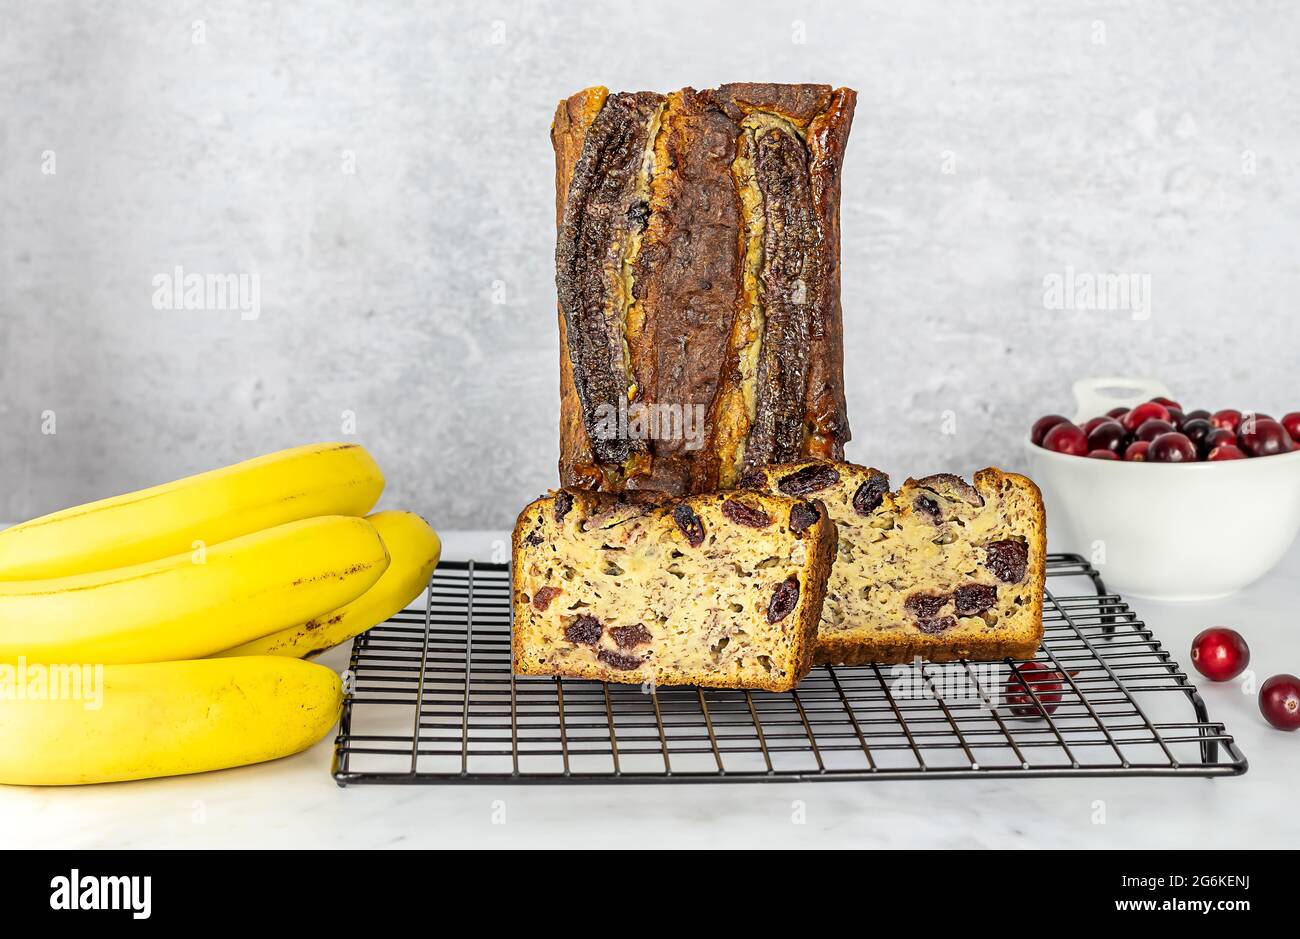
295	803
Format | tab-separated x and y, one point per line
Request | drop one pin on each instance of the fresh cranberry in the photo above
1292	424
1265	438
1219	653
1168	403
1108	435
1197	431
1116	413
1152	429
1137	452
1046	684
1043	425
1093	423
1143	413
1176	417
1102	454
1217	438
1066	438
1198	414
1225	451
1249	419
1229	419
1279	701
1171	448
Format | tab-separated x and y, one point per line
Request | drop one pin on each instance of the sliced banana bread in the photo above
719	590
940	569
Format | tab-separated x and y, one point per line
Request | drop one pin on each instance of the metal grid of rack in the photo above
432	700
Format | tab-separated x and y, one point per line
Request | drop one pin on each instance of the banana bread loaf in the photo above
697	268
940	569
720	590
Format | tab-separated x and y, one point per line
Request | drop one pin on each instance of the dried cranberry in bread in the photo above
717	590
940	569
697	270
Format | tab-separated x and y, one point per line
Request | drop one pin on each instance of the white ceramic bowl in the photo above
1171	531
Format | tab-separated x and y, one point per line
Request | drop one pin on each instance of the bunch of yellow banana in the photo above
168	718
255	565
178	517
413	549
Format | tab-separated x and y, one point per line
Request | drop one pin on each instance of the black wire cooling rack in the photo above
432	700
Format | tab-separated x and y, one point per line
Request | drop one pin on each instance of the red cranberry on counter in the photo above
1219	653
1102	455
1279	701
1265	438
1171	448
1116	413
1292	424
1046	684
1108	435
1225	451
1066	438
1229	419
1043	425
1176	417
1168	403
1200	414
1152	429
1137	451
1091	425
1143	413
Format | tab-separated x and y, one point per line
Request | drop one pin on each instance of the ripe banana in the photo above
304	482
165	719
191	605
413	548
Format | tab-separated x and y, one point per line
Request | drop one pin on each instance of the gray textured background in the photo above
418	292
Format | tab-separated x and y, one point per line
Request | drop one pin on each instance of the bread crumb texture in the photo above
940	568
721	590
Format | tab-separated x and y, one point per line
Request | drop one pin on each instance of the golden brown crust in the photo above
992	476
768	477
799	104
828	136
605	215
572	118
610	513
810	615
684	283
842	650
686	286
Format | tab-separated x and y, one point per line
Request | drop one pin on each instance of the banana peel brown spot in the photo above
329	575
314	624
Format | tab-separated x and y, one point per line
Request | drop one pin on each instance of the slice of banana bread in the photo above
940	569
719	590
